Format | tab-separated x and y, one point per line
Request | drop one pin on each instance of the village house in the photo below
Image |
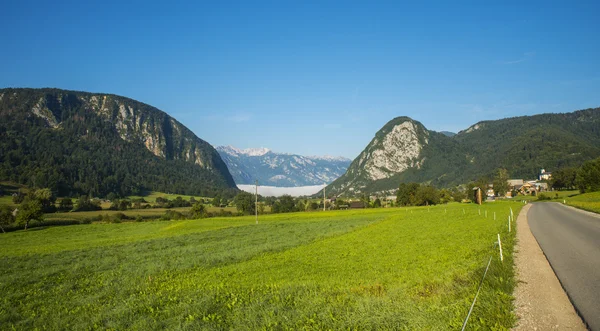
544	175
357	205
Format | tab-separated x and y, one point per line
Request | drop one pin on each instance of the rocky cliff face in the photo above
278	169
112	124
135	122
396	148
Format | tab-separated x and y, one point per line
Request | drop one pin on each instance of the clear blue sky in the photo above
312	78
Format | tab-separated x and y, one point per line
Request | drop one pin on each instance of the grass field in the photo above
393	268
586	201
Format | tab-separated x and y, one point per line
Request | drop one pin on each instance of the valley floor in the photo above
393	268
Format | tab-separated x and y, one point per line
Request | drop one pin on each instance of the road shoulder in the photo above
583	211
540	301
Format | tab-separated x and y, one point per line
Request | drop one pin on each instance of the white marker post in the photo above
509	223
511	213
500	246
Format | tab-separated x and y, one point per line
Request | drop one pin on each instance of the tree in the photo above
458	195
588	176
46	198
301	205
18	197
65	204
445	196
111	196
285	204
198	210
269	201
377	203
216	201
244	202
29	210
85	204
406	194
563	178
6	216
427	195
501	185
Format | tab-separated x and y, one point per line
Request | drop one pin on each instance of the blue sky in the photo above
312	78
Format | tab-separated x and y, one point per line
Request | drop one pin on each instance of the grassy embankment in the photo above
393	268
586	201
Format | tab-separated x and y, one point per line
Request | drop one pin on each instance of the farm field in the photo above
392	268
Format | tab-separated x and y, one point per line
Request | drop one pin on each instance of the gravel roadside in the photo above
540	301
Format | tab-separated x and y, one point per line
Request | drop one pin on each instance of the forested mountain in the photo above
279	169
87	143
405	151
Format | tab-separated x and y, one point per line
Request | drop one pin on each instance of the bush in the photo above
543	197
172	215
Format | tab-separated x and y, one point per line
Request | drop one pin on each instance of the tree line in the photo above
585	178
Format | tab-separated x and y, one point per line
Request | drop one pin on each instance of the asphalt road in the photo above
570	240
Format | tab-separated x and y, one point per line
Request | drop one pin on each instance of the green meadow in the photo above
386	268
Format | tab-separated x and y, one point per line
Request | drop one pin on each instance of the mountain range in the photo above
280	169
89	143
404	150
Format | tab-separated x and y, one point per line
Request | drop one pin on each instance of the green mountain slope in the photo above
405	151
86	143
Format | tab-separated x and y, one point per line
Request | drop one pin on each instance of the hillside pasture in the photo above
392	268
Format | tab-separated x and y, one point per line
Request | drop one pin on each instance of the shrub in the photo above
542	197
172	215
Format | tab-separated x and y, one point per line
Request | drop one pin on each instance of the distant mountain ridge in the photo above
403	150
281	169
95	143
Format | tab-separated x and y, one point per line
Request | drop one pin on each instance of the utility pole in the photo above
324	196
256	201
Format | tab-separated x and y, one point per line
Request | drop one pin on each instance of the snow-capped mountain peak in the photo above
233	151
328	158
256	151
280	169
